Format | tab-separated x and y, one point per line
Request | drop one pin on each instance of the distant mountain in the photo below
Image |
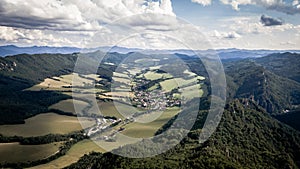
285	65
224	54
15	50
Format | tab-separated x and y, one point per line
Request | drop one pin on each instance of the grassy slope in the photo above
73	155
13	152
43	124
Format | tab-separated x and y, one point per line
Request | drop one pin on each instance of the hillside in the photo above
246	79
247	137
22	71
286	64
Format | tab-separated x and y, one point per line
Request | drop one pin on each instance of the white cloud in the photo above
277	5
203	2
78	23
74	14
72	22
254	35
226	35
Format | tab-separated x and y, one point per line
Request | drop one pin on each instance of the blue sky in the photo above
248	24
195	13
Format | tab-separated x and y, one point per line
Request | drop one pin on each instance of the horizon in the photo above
162	49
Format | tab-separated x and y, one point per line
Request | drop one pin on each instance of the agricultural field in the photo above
146	60
83	86
47	123
68	106
73	155
151	75
14	152
109	109
189	92
65	82
145	130
122	75
121	80
171	84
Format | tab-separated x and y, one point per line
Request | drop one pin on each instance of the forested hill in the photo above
286	64
247	137
36	68
247	79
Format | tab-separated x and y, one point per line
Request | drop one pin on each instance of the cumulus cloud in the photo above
22	36
73	22
277	5
202	2
75	15
269	21
46	14
226	35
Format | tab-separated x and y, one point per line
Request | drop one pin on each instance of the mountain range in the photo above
232	53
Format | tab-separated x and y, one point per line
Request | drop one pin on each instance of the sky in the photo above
155	24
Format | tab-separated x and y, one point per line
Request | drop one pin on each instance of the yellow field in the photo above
190	91
171	84
43	124
14	152
73	155
120	75
65	81
121	80
145	130
109	109
68	105
154	76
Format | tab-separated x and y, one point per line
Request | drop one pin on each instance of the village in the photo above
149	95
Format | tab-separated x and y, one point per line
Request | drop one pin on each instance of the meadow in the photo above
14	152
145	130
150	75
171	84
64	82
109	109
73	155
68	106
43	124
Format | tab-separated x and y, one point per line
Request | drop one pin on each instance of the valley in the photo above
64	118
133	103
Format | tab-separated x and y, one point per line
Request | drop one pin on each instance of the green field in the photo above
190	91
154	76
43	124
73	155
145	130
68	106
59	83
14	152
121	80
122	75
109	109
171	84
